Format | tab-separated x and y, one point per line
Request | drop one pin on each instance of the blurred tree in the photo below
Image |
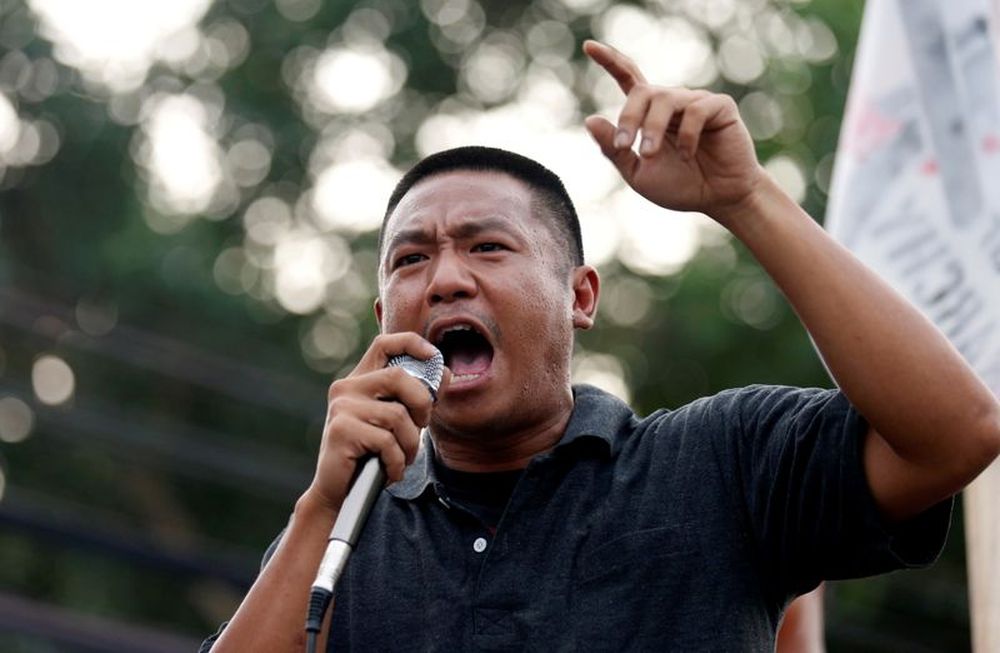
188	198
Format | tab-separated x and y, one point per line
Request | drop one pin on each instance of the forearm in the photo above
272	616
896	367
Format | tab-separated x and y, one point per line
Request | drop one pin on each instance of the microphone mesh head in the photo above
429	371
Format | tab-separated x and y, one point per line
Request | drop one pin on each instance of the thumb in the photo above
604	133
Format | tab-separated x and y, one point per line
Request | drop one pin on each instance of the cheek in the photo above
547	307
399	308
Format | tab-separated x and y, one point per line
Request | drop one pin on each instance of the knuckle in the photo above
630	115
643	91
398	415
336	407
656	123
384	440
410	445
697	109
397	375
380	443
394	462
336	389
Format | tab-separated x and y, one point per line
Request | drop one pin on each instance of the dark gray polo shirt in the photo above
686	530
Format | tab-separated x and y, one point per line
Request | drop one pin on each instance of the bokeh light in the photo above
304	263
350	196
626	300
298	10
655	241
16	420
10	126
603	371
354	80
184	160
52	380
493	69
753	300
789	175
669	49
96	317
115	42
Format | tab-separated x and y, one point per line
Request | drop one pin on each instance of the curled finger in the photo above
372	439
632	116
387	345
662	109
706	113
395	418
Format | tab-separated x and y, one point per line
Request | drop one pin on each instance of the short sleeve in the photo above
798	461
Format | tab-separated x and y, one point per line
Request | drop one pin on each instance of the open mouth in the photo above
467	353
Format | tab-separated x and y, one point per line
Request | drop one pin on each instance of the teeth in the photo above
452	329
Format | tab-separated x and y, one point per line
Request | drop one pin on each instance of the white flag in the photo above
916	195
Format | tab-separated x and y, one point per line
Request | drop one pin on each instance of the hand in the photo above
695	153
374	410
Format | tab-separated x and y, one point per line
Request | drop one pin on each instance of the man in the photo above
538	516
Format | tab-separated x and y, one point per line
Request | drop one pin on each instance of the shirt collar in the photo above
597	417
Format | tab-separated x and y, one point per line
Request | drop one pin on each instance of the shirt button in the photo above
479	545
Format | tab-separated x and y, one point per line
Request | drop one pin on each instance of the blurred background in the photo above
189	193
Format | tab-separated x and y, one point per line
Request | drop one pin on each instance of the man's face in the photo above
468	266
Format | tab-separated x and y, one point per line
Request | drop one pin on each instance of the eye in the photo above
408	259
489	247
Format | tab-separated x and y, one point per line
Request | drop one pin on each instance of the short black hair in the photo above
548	189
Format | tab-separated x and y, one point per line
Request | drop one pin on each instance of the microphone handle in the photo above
359	500
350	520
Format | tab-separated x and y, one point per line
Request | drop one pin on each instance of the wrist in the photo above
311	507
764	200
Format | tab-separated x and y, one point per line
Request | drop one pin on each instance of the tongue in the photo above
470	360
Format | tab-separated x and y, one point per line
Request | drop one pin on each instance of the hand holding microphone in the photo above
359	425
389	426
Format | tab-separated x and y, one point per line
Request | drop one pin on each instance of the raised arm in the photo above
933	424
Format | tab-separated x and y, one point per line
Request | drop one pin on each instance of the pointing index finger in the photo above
623	69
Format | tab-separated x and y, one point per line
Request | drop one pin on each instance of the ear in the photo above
586	290
378	312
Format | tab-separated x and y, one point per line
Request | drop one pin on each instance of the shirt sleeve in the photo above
799	467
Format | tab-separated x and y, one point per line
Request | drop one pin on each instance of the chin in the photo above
467	419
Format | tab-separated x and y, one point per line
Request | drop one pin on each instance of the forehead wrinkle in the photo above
466	227
413	235
470	226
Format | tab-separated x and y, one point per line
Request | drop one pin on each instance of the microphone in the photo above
353	513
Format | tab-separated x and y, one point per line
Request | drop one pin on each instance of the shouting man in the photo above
541	516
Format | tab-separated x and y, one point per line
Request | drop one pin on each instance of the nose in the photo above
449	279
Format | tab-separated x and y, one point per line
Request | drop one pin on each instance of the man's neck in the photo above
502	452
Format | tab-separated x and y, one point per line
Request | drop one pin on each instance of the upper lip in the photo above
438	326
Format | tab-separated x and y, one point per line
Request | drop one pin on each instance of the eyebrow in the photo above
466	229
